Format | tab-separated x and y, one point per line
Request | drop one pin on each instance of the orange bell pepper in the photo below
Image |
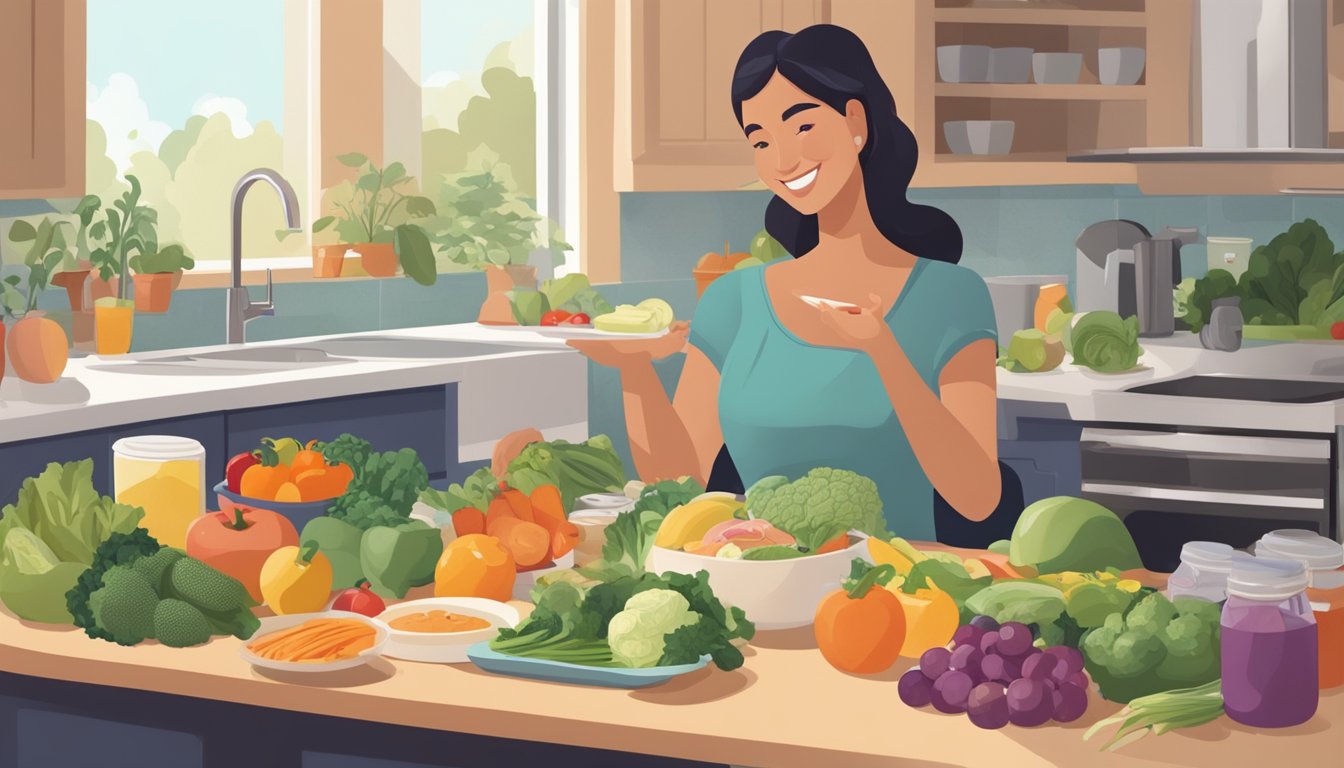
475	565
859	629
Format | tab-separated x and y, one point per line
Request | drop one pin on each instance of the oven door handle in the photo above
1208	497
1225	445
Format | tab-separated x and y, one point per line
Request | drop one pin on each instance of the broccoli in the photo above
179	624
155	567
117	549
385	487
637	634
123	608
1158	646
348	449
205	587
819	506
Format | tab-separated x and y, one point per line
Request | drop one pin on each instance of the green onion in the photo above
1162	712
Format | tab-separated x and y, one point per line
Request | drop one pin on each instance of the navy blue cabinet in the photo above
29	457
1044	452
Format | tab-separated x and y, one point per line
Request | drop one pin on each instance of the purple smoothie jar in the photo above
1269	656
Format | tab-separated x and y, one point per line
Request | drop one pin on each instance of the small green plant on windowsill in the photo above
47	249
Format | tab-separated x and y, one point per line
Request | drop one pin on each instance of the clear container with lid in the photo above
1323	558
165	476
1203	571
1268	643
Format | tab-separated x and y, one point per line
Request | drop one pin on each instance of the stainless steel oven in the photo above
1181	484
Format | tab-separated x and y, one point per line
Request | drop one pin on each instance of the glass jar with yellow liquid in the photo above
165	476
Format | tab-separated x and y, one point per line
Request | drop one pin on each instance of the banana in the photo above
692	520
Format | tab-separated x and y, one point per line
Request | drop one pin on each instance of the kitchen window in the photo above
447	88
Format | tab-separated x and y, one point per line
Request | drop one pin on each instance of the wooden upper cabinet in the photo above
674	68
42	82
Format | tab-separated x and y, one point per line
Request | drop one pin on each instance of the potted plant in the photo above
75	266
37	346
129	227
485	224
156	276
374	223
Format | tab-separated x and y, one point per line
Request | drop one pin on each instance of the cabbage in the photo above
1105	342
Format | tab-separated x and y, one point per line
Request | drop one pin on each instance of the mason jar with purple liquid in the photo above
1269	655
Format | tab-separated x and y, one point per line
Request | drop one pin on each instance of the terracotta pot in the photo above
703	277
328	260
378	259
177	279
72	280
102	289
496	309
38	348
153	292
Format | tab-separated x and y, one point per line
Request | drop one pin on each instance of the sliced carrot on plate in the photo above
468	520
548	510
527	542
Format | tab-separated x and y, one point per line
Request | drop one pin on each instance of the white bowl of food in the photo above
326	641
440	629
775	594
526	580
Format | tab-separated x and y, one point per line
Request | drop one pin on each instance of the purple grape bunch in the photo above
995	674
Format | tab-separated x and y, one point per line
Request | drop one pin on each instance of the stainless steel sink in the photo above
264	355
408	348
226	362
1242	388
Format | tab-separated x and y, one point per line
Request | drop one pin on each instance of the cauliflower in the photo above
637	635
1158	646
819	506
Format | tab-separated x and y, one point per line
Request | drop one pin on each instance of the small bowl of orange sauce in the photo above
440	629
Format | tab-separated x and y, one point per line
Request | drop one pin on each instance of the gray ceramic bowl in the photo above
979	137
1056	68
963	63
1010	65
1120	66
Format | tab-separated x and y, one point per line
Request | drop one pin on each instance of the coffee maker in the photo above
1122	268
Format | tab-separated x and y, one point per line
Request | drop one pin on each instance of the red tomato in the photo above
1337	331
233	471
554	317
359	599
578	319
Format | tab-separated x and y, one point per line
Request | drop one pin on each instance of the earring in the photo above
858	142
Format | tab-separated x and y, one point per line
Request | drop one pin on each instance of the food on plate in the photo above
642	620
475	565
632	534
688	523
1105	342
532	526
316	641
994	674
136	590
861	626
576	469
1162	712
1337	330
359	599
340	542
649	316
574	294
296	579
819	506
1064	533
1052	298
1159	645
239	541
395	558
743	535
438	622
51	534
1032	351
384	487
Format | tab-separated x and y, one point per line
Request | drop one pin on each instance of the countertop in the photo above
531	381
1081	394
764	714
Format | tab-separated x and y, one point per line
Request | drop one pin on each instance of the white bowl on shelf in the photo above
1120	66
979	137
1056	68
444	647
775	594
963	63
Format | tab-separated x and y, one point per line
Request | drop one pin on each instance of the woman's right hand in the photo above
622	353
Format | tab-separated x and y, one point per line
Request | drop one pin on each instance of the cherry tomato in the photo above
359	599
578	319
1337	331
554	317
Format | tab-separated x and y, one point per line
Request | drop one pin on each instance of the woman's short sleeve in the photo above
718	316
970	312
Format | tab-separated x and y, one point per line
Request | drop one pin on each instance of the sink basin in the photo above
408	348
1239	388
227	362
282	355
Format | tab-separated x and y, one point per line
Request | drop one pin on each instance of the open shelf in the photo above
1207	155
1056	17
1037	91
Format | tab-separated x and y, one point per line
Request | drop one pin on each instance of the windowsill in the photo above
289	269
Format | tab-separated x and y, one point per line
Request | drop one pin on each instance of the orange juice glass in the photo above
113	319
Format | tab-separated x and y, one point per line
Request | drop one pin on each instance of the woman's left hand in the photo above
862	327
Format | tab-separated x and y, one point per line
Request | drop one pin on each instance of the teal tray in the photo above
575	674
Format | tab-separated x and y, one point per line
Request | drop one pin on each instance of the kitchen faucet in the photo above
241	308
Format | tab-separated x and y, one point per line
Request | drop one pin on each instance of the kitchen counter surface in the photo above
501	384
765	714
1081	394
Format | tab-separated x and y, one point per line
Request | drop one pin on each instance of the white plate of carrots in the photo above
316	642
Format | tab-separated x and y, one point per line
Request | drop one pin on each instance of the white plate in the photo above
522	586
277	623
817	302
570	332
445	648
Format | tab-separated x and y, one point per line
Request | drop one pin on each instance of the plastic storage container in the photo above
1322	558
1203	571
1268	641
165	476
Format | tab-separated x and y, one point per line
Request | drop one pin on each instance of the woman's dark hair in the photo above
832	64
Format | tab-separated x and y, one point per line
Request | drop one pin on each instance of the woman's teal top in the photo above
787	406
